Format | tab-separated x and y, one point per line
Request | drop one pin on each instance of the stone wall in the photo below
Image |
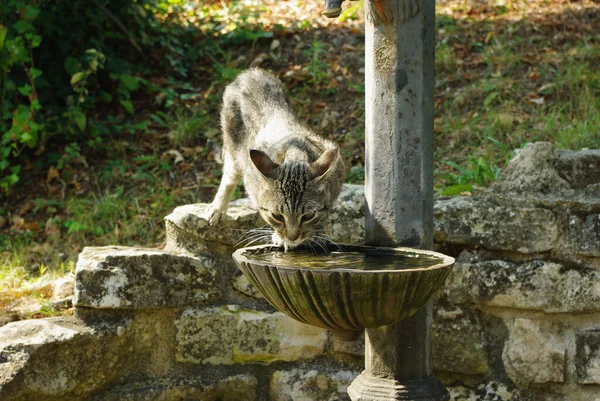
519	318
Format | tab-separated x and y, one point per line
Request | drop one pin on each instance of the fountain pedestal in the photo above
399	84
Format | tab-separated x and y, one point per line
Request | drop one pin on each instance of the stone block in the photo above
347	217
243	285
187	229
582	236
457	343
580	168
134	278
310	385
494	224
233	388
60	358
587	356
535	352
532	169
535	285
489	391
231	335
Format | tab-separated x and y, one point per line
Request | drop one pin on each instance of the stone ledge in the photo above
536	285
231	335
493	224
135	278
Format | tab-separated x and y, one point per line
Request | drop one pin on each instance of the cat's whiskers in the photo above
255	235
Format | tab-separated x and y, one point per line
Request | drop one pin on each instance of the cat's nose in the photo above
293	235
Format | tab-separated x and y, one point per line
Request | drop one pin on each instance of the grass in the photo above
507	73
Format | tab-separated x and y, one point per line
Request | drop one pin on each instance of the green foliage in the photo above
478	171
62	62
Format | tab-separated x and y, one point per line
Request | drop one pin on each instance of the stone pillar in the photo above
400	46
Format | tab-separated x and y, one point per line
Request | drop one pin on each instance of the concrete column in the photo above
400	47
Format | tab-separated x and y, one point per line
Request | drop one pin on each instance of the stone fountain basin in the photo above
344	299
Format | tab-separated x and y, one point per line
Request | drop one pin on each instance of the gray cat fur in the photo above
290	173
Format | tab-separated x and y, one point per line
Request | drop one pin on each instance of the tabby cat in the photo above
291	174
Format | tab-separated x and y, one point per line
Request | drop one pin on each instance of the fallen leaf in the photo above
258	60
534	75
52	174
538	101
174	153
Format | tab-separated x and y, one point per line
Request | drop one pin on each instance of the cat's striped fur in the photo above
291	174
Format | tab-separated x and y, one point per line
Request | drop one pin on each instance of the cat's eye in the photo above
277	217
307	217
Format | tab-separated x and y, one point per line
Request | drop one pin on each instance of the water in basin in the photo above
367	260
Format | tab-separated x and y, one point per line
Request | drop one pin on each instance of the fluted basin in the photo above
349	290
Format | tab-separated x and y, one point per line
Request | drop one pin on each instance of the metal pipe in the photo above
399	84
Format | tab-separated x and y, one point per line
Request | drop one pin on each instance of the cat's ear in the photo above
324	162
263	163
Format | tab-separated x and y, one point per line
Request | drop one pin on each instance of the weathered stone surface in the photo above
233	388
310	385
581	236
457	343
535	285
230	335
351	348
59	358
587	356
186	226
495	225
348	216
532	169
132	278
490	391
535	352
63	287
243	285
579	168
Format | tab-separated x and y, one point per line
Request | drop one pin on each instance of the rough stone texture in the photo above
231	335
532	169
347	216
243	285
490	391
130	278
535	352
63	287
59	358
535	285
494	224
233	388
310	385
186	224
579	168
457	343
587	356
581	236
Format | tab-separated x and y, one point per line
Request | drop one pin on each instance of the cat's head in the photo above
294	198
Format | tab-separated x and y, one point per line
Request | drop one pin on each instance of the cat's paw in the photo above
214	214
